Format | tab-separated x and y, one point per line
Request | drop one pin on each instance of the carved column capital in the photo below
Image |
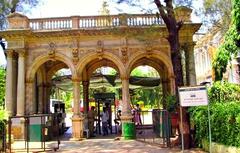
10	53
21	52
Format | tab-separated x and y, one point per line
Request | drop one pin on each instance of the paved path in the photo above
115	146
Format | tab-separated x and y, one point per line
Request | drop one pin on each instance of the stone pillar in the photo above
40	99
47	96
9	83
21	83
85	96
77	119
126	108
29	98
190	64
76	98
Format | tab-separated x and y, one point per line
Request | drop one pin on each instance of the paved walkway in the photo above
115	146
101	145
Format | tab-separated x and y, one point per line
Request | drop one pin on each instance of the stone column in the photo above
190	64
47	96
9	83
40	99
77	119
14	82
85	96
21	83
29	98
126	108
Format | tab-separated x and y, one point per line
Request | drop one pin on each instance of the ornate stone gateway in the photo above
37	48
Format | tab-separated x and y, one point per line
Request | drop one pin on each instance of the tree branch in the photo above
161	11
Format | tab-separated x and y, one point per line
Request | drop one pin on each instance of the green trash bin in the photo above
35	129
129	131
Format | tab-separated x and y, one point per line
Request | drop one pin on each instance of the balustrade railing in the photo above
84	22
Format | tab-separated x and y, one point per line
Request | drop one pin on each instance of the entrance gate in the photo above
105	100
155	128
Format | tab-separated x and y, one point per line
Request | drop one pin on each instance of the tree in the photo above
231	44
10	6
217	13
166	11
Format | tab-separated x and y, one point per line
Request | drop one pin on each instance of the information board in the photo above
193	96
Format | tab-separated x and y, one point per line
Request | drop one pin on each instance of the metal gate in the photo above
155	127
33	133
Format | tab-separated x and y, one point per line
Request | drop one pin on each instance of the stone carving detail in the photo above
124	51
75	55
100	49
52	50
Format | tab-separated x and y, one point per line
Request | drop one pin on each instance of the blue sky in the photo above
60	8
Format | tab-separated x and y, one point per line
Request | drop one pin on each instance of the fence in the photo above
33	133
155	128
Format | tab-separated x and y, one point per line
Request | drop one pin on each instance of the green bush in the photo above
224	115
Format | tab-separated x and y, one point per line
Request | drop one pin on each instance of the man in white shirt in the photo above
105	118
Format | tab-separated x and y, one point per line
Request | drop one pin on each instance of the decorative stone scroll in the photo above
52	50
75	55
100	49
149	50
124	51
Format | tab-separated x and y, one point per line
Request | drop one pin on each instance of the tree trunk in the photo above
177	68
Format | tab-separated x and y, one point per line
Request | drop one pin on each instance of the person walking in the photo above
105	117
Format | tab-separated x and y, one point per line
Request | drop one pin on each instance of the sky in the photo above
61	8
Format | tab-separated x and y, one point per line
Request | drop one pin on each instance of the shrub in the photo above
224	115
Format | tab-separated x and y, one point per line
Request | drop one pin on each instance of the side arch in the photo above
44	58
155	55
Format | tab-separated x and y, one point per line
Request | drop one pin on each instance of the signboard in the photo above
193	96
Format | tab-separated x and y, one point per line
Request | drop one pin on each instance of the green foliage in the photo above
2	85
223	92
149	96
171	103
229	47
224	115
224	52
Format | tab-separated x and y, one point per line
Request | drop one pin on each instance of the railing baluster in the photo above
94	22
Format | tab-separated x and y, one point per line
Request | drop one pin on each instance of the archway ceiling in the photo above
99	80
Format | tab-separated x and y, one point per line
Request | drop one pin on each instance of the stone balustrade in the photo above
84	22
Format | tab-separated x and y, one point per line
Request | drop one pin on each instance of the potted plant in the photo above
171	107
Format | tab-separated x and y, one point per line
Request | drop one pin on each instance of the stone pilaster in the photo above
21	83
85	96
29	100
9	83
190	64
